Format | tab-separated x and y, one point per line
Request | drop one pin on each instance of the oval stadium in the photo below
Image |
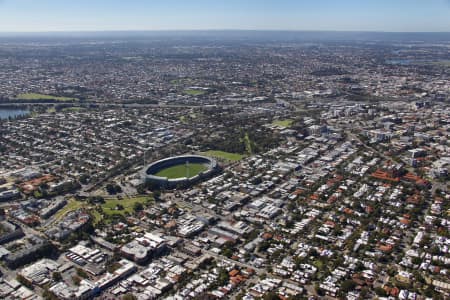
180	171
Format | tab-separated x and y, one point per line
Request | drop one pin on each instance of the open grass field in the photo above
110	205
183	120
224	155
71	205
96	215
109	208
73	109
283	123
179	171
193	92
34	96
248	144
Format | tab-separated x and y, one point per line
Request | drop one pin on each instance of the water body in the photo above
6	113
400	62
422	62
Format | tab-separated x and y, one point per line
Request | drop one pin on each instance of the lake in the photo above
6	113
403	62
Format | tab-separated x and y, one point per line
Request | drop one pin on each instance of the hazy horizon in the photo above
232	36
218	30
27	16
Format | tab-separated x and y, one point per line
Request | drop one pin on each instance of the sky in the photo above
334	15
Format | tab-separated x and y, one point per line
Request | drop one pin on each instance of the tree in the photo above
391	271
129	297
113	189
205	296
297	297
110	189
318	290
84	179
56	276
416	260
223	278
47	295
380	291
313	252
82	273
227	252
37	194
429	291
141	189
76	280
418	277
96	200
138	206
271	296
263	246
364	292
348	285
157	195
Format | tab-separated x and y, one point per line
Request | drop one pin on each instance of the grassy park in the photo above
224	155
109	208
73	109
283	123
248	144
35	96
110	205
71	205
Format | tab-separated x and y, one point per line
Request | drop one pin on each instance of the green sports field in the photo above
224	155
179	171
283	123
34	96
194	92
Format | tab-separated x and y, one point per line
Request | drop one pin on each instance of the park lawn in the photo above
109	207
283	123
71	205
248	144
35	96
318	264
73	109
224	155
186	119
194	92
96	216
183	120
179	171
